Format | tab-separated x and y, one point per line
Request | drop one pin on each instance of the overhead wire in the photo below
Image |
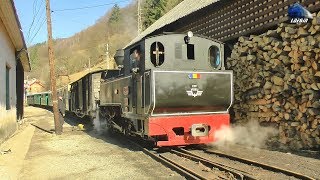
36	25
40	27
57	10
88	7
35	14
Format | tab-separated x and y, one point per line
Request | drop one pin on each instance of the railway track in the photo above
204	164
190	166
277	171
193	167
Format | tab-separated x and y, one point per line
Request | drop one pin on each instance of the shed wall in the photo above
8	118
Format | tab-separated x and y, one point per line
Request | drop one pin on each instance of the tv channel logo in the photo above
299	14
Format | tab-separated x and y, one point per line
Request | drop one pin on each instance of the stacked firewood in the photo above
277	80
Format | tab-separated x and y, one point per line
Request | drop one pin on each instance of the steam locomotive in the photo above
170	88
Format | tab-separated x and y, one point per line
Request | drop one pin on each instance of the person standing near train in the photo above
62	110
135	60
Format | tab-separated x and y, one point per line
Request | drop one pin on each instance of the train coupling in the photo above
199	130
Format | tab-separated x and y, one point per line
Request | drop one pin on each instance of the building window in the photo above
7	88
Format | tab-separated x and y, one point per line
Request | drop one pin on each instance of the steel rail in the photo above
262	165
183	167
187	173
189	155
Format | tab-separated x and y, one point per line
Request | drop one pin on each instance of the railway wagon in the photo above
84	93
30	99
37	99
45	99
173	89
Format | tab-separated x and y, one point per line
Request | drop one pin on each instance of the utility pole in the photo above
107	56
57	124
139	17
89	64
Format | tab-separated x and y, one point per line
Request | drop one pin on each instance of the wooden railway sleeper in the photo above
265	166
237	173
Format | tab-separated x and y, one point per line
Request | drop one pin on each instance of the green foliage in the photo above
115	15
153	10
34	56
171	4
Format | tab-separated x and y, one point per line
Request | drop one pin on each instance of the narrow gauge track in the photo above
248	162
191	166
194	166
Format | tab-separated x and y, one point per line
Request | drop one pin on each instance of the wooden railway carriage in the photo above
39	99
84	93
30	99
45	98
180	94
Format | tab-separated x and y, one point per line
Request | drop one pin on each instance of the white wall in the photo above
7	58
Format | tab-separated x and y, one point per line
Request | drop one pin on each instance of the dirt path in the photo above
75	155
11	163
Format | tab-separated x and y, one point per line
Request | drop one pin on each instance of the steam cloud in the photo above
250	134
98	125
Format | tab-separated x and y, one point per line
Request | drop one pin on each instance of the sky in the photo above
66	18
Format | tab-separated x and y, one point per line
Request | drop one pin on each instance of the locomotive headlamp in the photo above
187	38
190	34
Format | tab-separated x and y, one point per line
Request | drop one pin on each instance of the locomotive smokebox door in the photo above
199	130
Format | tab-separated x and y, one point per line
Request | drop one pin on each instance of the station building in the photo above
14	61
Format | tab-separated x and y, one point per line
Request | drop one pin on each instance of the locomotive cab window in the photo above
214	56
190	51
135	57
157	54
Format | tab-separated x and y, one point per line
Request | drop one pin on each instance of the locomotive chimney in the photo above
119	57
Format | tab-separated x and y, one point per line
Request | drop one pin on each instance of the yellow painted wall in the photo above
36	88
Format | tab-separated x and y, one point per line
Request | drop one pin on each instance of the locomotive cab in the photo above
170	51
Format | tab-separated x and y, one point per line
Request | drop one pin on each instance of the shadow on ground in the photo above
105	135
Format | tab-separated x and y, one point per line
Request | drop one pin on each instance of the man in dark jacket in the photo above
135	60
62	110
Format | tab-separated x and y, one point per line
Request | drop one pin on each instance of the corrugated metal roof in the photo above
184	8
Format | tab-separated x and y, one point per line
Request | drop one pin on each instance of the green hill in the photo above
88	47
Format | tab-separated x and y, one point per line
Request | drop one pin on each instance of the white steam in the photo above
97	124
250	134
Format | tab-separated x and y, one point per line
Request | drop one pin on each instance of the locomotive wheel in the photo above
111	131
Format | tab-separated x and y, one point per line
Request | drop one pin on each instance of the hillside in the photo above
88	47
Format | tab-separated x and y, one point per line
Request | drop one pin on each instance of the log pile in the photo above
277	80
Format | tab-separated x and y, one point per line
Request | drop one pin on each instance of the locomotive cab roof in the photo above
172	51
